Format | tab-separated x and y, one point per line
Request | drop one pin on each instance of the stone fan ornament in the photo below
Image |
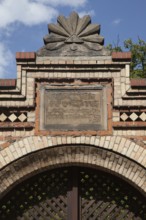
72	36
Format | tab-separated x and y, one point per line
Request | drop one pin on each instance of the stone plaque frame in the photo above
71	107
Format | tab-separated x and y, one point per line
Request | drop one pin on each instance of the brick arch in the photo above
42	157
31	144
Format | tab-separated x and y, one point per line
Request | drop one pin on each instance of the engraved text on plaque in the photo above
79	108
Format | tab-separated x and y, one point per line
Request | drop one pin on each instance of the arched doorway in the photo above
73	193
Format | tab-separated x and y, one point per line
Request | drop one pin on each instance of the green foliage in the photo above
114	48
138	52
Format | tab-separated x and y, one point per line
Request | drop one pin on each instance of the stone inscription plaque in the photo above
73	108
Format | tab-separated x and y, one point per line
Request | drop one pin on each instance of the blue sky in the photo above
23	23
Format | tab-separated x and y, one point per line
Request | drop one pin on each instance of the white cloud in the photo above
29	13
32	12
71	3
82	13
6	58
25	11
117	21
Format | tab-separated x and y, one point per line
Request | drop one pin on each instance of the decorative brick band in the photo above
133	116
8	116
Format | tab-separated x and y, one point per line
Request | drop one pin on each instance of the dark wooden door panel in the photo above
73	193
106	197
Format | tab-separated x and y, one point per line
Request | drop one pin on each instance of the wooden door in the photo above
73	193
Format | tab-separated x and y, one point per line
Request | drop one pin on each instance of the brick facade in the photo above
25	149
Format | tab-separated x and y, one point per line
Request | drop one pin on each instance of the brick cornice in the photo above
138	82
7	82
25	56
121	56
